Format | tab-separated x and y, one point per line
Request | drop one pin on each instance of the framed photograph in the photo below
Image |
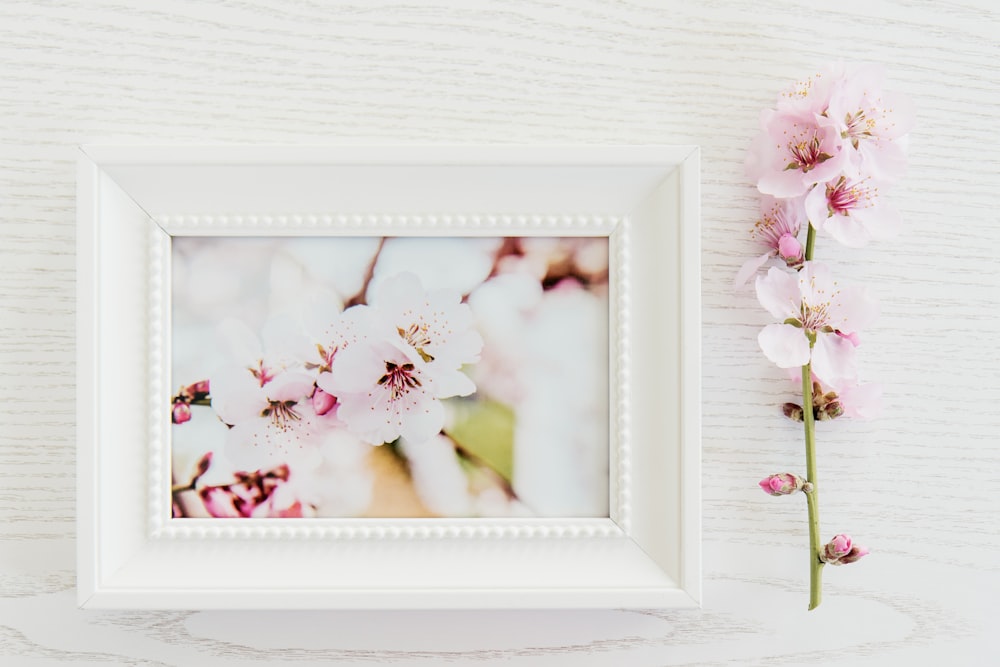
395	378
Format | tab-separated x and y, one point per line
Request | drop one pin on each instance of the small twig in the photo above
359	298
482	463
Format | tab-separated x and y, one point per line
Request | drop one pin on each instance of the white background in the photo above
918	486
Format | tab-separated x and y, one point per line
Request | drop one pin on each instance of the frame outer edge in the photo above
87	379
691	450
88	325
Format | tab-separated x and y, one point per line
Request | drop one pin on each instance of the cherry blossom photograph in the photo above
389	377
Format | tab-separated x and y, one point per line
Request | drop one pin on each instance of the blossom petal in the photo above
815	282
816	205
785	345
261	444
847	230
828	169
423	424
288	386
749	268
778	292
885	160
882	222
236	394
854	309
785	183
449	383
834	361
354	370
863	401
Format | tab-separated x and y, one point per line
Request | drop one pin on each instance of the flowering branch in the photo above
822	160
812	496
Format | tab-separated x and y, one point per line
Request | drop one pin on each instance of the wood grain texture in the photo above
918	485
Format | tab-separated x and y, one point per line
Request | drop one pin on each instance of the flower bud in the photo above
793	411
782	484
830	411
322	402
836	549
180	413
790	250
855	554
203	465
198	390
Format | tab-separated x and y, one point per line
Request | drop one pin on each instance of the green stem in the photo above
810	242
812	494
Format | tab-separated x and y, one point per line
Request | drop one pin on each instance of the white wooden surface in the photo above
918	486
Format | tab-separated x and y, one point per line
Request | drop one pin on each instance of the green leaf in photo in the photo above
485	429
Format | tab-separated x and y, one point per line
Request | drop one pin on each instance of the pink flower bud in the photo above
782	484
836	549
790	249
203	465
197	390
855	554
181	412
322	402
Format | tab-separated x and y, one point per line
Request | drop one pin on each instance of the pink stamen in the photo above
845	195
399	378
262	374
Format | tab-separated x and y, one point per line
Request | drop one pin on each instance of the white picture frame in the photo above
132	554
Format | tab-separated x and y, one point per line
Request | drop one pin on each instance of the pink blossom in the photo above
775	232
852	211
793	153
873	122
390	381
271	417
434	324
336	331
384	394
811	95
266	400
812	309
781	484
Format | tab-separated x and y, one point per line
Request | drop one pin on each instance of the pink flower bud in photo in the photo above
836	549
855	554
782	484
181	412
203	465
322	402
197	390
